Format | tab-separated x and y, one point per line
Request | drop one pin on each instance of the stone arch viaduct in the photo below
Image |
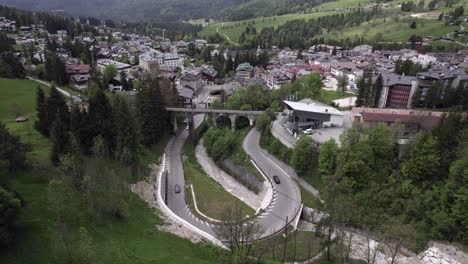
214	113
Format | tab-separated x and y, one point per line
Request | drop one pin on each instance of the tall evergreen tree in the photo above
151	112
362	91
12	151
60	138
41	124
100	122
377	89
229	64
56	104
126	132
55	70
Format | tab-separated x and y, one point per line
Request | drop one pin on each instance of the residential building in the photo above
149	63
103	63
276	79
412	121
209	75
192	80
397	91
185	96
244	70
78	74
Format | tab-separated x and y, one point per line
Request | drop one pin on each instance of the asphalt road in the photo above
286	200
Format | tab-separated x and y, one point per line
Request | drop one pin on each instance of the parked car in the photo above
177	188
276	179
308	131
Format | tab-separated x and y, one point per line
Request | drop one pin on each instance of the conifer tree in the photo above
60	138
56	104
377	89
41	107
126	132
151	112
99	123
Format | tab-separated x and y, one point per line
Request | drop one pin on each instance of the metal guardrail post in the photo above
166	186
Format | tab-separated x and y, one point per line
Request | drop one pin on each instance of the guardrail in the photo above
169	212
296	215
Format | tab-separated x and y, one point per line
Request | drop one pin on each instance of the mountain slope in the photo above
132	10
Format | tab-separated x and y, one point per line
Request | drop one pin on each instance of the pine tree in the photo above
229	64
60	138
242	38
100	123
41	107
55	70
151	112
398	66
377	89
126	132
362	91
123	80
56	104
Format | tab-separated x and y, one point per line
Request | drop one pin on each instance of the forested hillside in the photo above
160	10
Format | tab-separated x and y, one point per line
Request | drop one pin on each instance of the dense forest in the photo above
133	11
419	187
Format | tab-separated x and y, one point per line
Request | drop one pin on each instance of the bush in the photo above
275	147
9	210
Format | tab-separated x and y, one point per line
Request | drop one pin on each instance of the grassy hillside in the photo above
234	29
394	30
135	240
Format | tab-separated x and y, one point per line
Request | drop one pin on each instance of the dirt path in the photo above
226	36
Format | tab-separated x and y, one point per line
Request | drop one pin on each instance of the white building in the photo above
424	60
103	63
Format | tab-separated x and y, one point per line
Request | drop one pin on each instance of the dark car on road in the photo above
177	188
276	179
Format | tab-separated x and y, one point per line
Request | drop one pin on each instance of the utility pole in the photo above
285	238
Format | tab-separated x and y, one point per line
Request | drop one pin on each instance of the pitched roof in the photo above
77	68
244	67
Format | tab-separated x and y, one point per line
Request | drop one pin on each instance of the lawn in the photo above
328	96
211	197
134	240
234	29
309	200
19	96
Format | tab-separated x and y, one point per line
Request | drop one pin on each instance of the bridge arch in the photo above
242	121
223	120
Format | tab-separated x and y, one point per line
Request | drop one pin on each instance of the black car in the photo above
276	179
177	188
